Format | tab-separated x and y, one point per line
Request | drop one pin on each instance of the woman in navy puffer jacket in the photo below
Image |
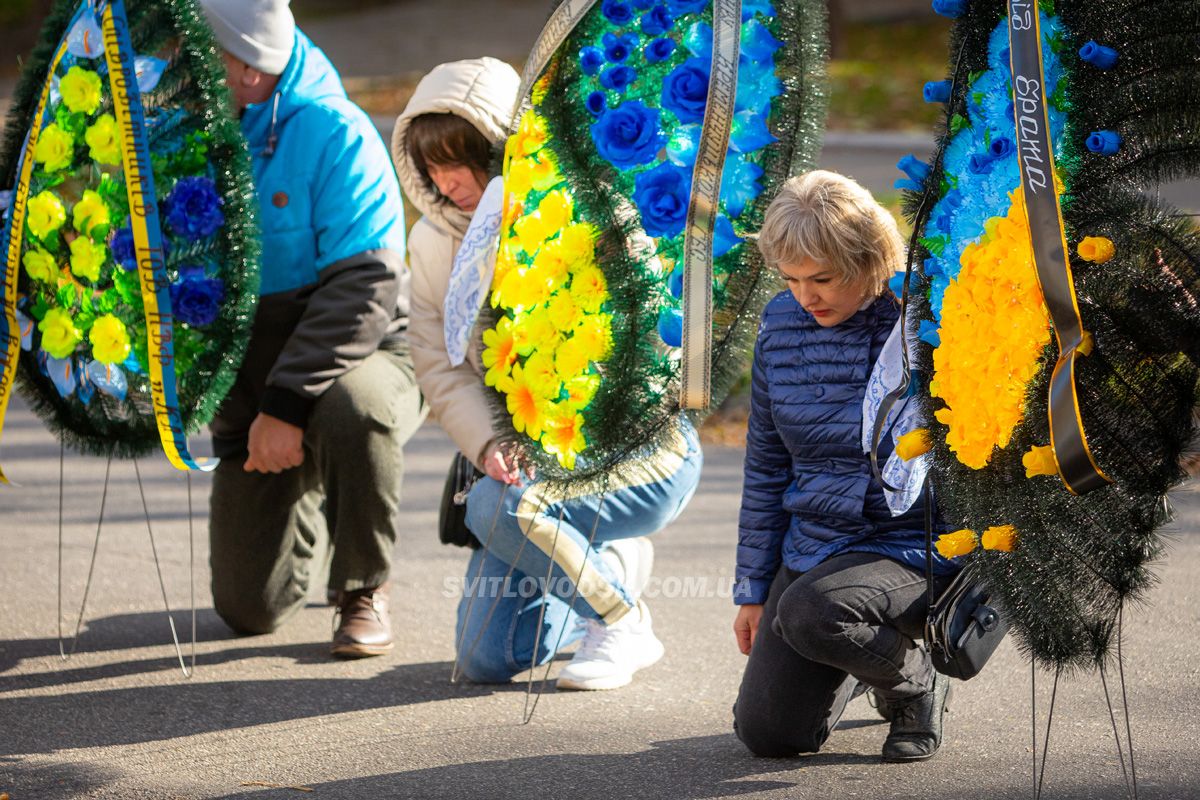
831	587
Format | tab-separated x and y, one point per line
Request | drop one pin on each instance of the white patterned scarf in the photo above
472	272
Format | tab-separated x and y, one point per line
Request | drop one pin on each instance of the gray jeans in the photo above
850	619
266	529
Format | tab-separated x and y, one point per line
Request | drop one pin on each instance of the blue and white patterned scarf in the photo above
472	272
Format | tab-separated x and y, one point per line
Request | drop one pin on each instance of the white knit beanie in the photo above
259	32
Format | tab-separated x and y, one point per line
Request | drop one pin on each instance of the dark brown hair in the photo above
446	139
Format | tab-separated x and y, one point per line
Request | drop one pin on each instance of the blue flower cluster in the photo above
193	208
980	162
196	298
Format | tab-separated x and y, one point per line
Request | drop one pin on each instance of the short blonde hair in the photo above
834	221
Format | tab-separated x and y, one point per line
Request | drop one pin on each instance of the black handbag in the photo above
964	627
452	512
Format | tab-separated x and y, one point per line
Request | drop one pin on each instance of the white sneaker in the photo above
633	561
610	655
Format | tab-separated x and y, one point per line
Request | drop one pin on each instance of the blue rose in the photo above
628	135
724	239
680	7
685	90
670	326
617	13
123	250
675	282
657	21
749	132
596	103
757	42
590	60
618	48
661	195
980	163
757	84
617	78
659	50
681	147
196	298
739	185
698	40
1001	147
752	7
194	208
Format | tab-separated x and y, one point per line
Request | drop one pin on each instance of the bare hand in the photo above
745	626
274	445
500	462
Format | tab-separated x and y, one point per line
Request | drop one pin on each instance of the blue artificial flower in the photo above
618	48
681	147
108	378
685	90
1098	55
642	5
932	267
661	195
196	298
927	332
86	389
596	103
194	208
954	159
659	50
657	21
916	170
752	7
618	77
757	84
681	7
698	40
1001	147
122	249
590	60
749	132
950	8
628	135
670	326
739	185
757	42
998	55
937	92
675	282
943	213
896	284
980	163
724	239
616	12
61	372
1105	143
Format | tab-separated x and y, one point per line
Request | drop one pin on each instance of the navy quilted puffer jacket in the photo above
808	492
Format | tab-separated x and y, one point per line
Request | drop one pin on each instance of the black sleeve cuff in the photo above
287	405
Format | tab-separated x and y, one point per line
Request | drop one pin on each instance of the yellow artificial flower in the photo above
551	267
102	142
524	404
512	212
45	214
589	288
532	232
564	312
87	258
531	135
1096	249
518	179
580	390
544	174
89	213
556	210
110	340
80	90
540	87
55	148
959	543
999	537
59	334
595	336
564	437
570	360
499	351
541	376
1087	343
577	243
1040	461
912	444
40	265
533	331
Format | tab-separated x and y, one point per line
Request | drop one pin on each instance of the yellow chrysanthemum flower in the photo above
80	90
87	258
959	543
983	385
499	351
55	148
577	244
1096	249
525	406
595	336
544	174
1000	537
580	390
110	340
532	232
518	179
589	288
44	214
533	331
556	210
913	444
564	312
40	265
541	376
512	212
564	437
59	334
570	360
89	213
551	267
531	135
102	142
1040	461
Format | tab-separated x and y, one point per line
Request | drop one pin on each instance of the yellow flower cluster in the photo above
959	543
994	328
80	90
541	354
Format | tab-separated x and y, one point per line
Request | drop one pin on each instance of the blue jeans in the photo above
537	548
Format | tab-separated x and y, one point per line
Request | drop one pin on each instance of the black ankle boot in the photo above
916	731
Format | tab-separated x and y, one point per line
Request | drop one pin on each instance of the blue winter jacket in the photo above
334	281
809	493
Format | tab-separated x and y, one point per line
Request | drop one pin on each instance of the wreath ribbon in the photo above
1076	466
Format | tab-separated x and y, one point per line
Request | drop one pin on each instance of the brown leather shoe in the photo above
364	627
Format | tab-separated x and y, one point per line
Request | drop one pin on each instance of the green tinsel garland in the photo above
195	79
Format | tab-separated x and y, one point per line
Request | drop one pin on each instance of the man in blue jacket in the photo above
310	436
